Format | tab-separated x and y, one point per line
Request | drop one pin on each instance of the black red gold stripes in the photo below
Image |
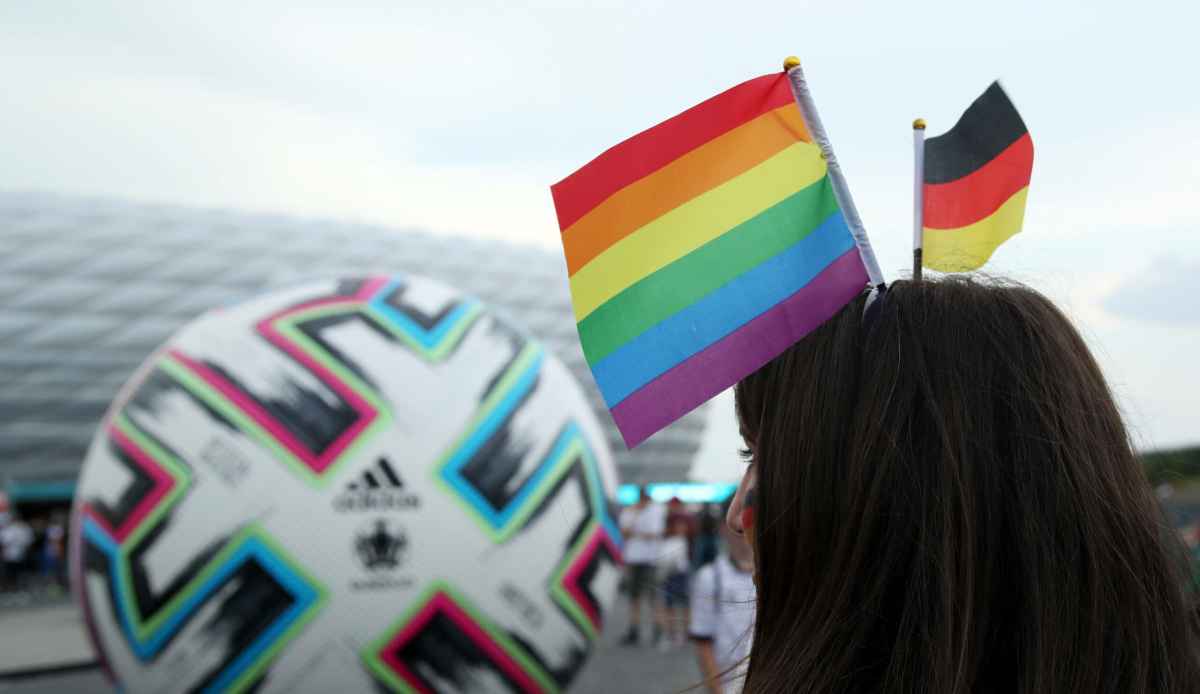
976	183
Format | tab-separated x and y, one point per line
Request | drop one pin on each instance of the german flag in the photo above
976	180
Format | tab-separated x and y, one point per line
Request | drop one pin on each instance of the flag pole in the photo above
918	196
808	111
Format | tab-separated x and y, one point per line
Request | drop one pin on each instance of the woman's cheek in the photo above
747	494
748	514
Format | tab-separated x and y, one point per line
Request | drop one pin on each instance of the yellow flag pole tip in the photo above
919	124
790	62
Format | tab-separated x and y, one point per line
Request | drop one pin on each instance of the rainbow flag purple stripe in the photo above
679	389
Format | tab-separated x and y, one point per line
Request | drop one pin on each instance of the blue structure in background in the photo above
90	287
687	492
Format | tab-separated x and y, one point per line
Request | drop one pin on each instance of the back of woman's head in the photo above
947	501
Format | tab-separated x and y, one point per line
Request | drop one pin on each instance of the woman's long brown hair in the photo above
948	502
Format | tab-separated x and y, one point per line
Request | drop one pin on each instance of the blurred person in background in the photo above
722	614
15	539
678	513
35	554
708	538
948	502
54	553
674	569
642	526
4	521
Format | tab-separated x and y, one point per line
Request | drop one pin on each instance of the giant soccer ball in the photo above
344	487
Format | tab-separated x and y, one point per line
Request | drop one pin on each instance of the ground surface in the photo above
49	635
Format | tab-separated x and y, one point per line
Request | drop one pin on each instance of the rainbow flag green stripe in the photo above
722	312
661	295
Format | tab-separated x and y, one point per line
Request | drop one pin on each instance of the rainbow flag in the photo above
700	249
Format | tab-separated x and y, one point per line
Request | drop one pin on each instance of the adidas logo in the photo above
369	480
378	488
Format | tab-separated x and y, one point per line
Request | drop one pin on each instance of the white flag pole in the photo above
918	196
812	121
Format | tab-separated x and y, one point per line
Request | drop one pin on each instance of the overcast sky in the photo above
458	116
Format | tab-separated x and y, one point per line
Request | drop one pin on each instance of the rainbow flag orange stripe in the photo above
700	249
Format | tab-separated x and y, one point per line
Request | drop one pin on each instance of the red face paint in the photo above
748	511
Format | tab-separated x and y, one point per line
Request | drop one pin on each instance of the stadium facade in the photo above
88	289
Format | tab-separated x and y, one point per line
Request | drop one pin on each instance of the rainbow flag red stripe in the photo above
700	249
